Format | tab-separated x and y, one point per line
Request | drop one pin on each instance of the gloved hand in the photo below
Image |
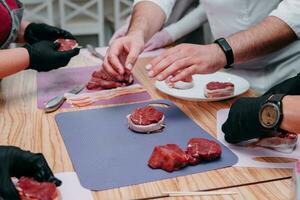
45	57
38	32
243	120
16	163
159	40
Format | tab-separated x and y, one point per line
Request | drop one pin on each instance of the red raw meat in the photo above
30	189
146	115
203	149
66	44
101	80
169	157
146	120
284	142
218	89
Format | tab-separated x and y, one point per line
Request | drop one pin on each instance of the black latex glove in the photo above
38	32
243	119
15	162
44	56
290	87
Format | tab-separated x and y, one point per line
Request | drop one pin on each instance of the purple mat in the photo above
106	154
57	82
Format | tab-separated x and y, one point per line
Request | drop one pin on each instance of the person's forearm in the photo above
20	38
291	114
268	36
13	61
146	20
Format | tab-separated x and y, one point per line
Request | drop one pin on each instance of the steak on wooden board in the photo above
171	157
30	189
101	80
66	44
218	89
146	120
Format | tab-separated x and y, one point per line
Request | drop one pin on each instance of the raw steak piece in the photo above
203	150
101	80
184	84
30	189
169	157
285	142
66	44
146	120
218	89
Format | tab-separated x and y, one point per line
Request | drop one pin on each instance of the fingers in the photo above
42	171
165	62
7	189
113	58
132	58
174	68
110	70
70	53
187	72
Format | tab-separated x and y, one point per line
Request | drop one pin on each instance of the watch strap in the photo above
226	48
277	99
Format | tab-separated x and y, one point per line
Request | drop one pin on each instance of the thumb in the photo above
132	58
8	191
70	53
55	45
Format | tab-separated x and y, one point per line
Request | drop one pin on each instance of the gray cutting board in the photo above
106	154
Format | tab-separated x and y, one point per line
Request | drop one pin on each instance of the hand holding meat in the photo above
243	120
17	163
39	32
123	53
44	56
189	59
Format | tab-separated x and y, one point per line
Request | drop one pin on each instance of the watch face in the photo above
269	115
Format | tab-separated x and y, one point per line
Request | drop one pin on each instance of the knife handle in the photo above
53	104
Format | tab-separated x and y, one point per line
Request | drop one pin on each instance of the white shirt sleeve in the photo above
188	23
289	12
165	5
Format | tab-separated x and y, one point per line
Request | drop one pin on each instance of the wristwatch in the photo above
226	48
270	114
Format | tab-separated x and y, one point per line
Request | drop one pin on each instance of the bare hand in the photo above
122	53
187	59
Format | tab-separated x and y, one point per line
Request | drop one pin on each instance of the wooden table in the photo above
23	125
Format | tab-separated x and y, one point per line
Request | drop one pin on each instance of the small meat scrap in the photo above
169	157
203	150
146	120
184	84
66	44
218	89
284	142
102	80
29	189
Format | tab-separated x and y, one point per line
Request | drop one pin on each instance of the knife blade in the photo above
55	103
93	51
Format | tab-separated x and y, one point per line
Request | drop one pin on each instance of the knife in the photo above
93	51
53	104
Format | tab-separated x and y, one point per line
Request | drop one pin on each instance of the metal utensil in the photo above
93	51
55	103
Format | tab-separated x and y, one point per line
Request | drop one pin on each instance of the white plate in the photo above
196	93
